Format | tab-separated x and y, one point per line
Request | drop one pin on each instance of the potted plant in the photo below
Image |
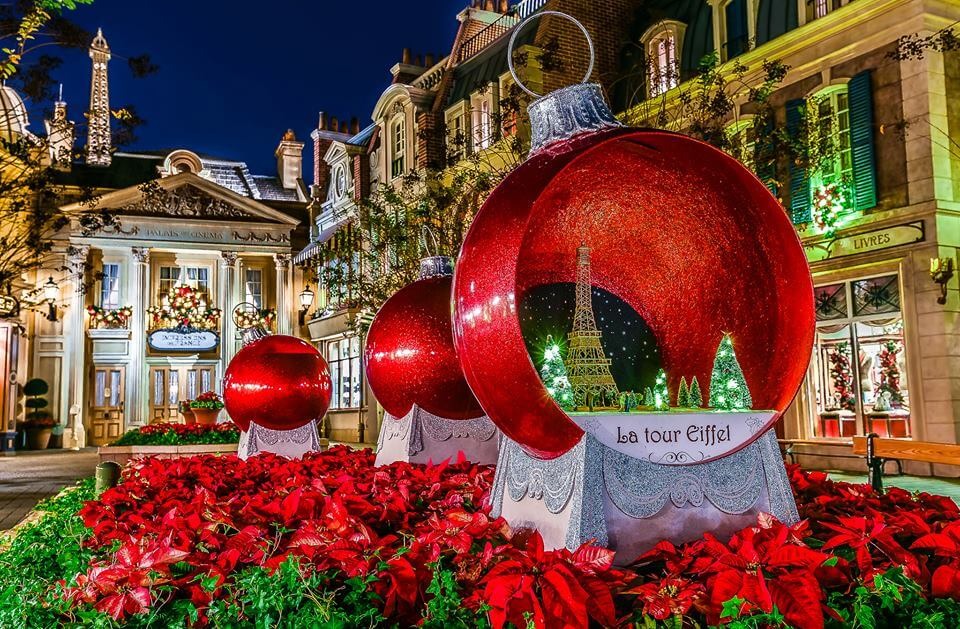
207	407
187	412
40	423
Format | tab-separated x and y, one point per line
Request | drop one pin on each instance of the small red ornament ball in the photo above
679	230
280	382
410	357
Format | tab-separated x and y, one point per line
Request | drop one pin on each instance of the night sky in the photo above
235	75
626	338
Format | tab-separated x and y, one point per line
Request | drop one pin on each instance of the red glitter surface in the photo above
280	382
678	229
410	357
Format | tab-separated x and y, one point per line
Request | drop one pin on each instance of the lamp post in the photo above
306	300
51	293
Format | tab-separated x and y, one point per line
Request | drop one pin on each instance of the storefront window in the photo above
110	287
860	360
343	358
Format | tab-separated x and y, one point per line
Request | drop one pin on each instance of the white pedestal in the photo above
421	437
628	504
292	444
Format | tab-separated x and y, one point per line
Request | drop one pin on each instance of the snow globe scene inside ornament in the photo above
667	416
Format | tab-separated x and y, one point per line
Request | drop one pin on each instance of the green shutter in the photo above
763	149
799	185
861	142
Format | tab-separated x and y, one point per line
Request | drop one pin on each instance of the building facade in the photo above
184	229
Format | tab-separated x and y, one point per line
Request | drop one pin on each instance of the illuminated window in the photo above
110	287
860	360
661	45
831	131
253	287
481	114
398	131
169	277
343	359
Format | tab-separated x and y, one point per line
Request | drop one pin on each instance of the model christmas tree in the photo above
648	397
683	395
842	376
890	372
661	396
554	376
728	387
694	396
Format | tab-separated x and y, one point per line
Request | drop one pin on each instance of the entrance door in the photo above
106	405
169	385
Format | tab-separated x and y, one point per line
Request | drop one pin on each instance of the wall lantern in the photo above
941	270
306	300
51	293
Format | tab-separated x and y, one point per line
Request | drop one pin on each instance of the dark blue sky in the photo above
235	75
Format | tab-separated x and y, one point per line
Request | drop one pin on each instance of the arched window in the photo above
830	126
743	141
399	145
662	45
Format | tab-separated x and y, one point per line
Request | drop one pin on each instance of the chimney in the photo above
322	124
289	160
405	57
504	6
354	126
428	60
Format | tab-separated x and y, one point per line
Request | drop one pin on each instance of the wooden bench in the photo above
788	448
878	450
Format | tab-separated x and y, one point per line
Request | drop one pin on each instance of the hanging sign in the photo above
895	236
183	340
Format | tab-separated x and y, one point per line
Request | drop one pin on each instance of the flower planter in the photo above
188	416
38	438
122	454
206	416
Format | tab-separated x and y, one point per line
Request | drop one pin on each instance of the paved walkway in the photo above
27	477
942	486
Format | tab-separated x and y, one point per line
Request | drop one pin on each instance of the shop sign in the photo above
9	306
183	340
875	240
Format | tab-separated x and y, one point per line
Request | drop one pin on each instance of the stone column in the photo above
283	283
227	301
139	287
76	336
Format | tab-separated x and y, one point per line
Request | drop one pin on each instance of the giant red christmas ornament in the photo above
409	355
681	231
279	382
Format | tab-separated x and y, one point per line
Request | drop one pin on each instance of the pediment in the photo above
184	196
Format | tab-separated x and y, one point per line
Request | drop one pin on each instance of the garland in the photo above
828	208
183	307
890	371
109	318
842	376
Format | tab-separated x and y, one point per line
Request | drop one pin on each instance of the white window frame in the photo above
354	371
182	279
661	77
482	108
842	163
398	146
720	25
455	120
110	287
249	296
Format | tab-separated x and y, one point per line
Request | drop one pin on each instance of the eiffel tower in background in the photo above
588	369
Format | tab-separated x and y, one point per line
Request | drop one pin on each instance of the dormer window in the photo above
662	45
398	137
482	114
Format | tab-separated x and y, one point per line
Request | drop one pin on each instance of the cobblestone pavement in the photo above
26	478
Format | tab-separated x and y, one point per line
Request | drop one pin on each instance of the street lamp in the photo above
51	293
306	300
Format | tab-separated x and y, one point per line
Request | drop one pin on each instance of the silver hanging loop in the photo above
519	27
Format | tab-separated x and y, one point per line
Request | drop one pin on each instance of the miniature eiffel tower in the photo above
588	369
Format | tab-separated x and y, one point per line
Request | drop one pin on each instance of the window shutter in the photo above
799	185
763	148
861	142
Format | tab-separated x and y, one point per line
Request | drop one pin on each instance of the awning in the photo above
317	245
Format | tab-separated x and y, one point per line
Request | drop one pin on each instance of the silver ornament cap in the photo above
568	112
435	266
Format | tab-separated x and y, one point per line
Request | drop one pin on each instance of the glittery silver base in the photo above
292	444
420	436
595	492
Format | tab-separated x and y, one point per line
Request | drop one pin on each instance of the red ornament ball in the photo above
410	357
280	382
679	230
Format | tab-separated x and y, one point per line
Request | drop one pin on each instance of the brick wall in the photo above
430	136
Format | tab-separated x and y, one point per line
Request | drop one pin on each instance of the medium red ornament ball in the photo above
678	229
280	382
410	357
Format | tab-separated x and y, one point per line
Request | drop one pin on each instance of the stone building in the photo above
887	350
179	219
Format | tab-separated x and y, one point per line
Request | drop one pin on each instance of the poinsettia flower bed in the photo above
333	540
180	434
